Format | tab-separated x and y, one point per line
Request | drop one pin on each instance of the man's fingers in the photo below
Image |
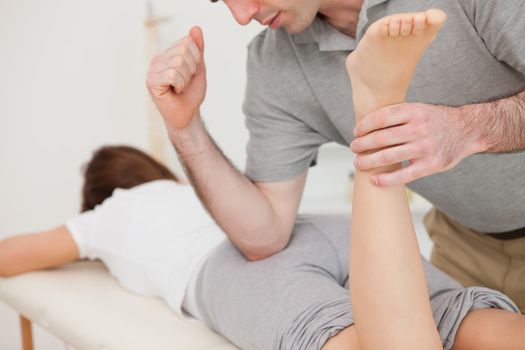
181	64
414	171
179	75
178	65
184	50
196	34
198	37
177	80
190	62
165	80
161	83
195	52
185	46
387	156
384	138
382	118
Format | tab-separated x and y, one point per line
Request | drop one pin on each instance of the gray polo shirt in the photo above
298	96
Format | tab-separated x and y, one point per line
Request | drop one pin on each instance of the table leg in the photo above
27	333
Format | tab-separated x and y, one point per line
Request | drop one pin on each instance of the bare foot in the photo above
383	63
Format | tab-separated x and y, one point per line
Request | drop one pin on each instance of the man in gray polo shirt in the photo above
466	133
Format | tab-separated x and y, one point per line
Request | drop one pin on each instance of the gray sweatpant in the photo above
298	299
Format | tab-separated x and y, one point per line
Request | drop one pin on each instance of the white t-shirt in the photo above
153	238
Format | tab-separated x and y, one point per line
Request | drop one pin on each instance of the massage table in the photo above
83	305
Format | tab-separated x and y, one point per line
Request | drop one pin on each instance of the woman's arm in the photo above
37	251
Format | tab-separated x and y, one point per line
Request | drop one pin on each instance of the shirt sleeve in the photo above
98	231
82	230
281	145
501	26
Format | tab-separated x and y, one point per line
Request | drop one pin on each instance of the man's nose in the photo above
242	10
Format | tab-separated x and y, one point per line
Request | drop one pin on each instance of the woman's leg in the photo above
388	288
452	308
344	340
483	329
491	329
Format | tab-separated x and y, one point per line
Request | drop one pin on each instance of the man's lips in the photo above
274	21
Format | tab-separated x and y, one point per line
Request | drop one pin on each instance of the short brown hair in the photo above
114	167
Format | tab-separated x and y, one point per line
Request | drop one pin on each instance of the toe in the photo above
406	25
395	26
435	16
419	23
384	28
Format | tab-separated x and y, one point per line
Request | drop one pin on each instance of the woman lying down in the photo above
157	240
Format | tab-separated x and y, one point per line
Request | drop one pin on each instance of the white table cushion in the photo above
83	305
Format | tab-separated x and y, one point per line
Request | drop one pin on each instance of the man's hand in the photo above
431	138
177	80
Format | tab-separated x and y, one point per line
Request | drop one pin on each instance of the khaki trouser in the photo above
475	259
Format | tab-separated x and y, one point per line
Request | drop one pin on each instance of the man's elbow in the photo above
261	253
255	256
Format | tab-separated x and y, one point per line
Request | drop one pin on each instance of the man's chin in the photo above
292	30
300	25
295	29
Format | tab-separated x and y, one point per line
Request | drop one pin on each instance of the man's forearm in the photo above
238	206
499	126
249	214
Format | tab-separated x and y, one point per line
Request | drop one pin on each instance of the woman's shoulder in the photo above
153	187
155	184
141	200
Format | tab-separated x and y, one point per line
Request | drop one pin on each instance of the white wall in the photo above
72	78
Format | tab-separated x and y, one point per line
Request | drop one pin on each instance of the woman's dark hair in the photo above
118	167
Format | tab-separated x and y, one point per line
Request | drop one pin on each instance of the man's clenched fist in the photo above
177	80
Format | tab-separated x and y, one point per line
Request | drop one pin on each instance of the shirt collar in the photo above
331	39
369	3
